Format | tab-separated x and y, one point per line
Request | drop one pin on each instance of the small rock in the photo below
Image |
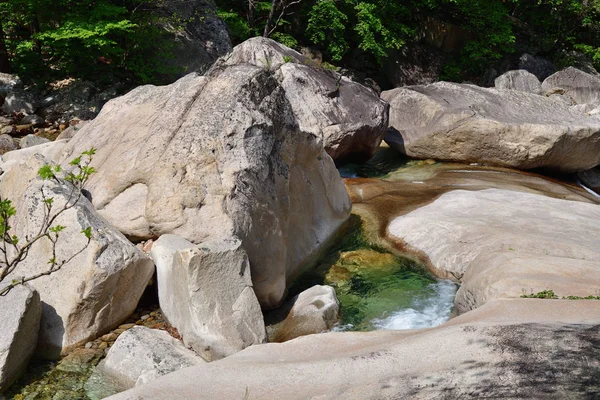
141	355
145	317
103	346
109	337
7	144
8	130
33	119
315	310
126	326
32	140
23	130
89	345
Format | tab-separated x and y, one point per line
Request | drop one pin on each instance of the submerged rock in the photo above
20	312
221	156
466	123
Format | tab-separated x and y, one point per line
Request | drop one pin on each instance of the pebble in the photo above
89	345
124	327
145	317
103	346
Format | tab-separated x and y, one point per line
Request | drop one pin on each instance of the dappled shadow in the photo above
535	362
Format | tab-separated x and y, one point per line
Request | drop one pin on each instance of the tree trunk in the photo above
4	59
270	19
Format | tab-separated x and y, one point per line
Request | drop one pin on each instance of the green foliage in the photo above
549	294
326	27
544	294
97	40
13	252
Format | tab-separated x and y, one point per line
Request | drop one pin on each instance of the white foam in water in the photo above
425	312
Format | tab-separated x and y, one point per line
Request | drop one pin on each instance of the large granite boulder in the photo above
315	310
98	287
349	117
466	123
519	80
140	355
225	155
205	292
503	243
507	349
579	86
20	313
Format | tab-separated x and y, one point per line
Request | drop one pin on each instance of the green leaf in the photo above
46	172
87	232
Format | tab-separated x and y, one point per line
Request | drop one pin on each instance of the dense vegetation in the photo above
108	39
370	29
122	38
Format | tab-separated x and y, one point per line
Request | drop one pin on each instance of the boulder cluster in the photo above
227	183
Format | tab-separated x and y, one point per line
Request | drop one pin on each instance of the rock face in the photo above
224	155
20	312
315	310
98	288
519	80
581	87
506	349
414	64
467	123
206	293
349	117
140	355
199	36
19	101
540	67
501	243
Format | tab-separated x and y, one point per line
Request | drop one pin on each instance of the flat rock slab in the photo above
20	313
505	349
503	243
466	123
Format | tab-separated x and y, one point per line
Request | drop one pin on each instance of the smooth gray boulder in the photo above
94	291
508	349
20	312
579	86
32	140
219	156
140	355
502	244
315	310
519	80
466	123
205	291
7	143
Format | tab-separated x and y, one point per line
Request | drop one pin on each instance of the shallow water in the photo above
378	289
